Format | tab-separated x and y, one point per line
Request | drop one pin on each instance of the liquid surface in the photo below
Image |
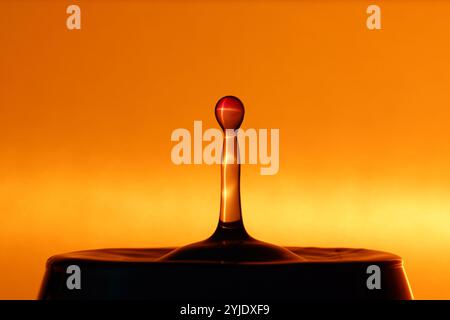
309	254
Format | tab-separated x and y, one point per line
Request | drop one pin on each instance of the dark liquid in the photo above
230	263
326	273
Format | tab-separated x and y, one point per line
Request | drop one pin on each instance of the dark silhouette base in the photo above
320	273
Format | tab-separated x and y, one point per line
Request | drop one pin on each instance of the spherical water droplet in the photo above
230	112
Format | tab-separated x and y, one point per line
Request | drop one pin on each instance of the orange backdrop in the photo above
86	118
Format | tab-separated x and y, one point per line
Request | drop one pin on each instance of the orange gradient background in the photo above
86	118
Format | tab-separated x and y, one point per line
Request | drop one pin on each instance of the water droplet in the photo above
230	112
